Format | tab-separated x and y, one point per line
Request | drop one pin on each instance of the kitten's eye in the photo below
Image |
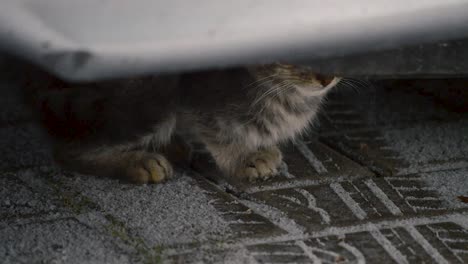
324	80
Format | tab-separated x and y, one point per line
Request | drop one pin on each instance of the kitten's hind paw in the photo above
261	165
149	168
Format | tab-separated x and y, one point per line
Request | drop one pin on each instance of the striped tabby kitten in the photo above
124	128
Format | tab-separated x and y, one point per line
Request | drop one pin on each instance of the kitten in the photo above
123	128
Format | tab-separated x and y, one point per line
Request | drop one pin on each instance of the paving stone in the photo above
431	243
203	255
450	185
241	219
369	149
79	194
444	147
31	195
174	212
368	197
402	242
21	201
314	160
373	196
388	104
311	207
340	203
50	181
407	150
358	247
450	239
419	193
283	252
349	248
396	129
142	218
60	241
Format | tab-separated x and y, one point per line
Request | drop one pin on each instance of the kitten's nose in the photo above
324	80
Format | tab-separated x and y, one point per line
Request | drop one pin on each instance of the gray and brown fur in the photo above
125	128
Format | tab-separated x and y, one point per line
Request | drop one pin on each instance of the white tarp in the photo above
96	39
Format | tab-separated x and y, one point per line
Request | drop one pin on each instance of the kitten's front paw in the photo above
262	164
149	168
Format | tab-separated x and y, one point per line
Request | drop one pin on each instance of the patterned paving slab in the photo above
244	222
441	239
390	103
407	150
444	242
374	132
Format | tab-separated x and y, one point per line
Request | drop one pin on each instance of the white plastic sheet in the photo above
98	39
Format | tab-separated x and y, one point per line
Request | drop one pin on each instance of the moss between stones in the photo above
150	255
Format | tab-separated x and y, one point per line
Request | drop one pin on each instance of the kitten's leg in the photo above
261	164
133	165
144	167
246	164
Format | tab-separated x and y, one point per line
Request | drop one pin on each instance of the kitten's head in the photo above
298	76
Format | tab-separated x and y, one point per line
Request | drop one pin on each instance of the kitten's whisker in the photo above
282	87
366	83
260	80
263	83
279	88
265	95
356	84
349	83
288	87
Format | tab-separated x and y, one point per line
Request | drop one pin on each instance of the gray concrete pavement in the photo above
378	180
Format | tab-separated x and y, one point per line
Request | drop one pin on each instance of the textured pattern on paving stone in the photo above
60	241
410	244
383	179
20	200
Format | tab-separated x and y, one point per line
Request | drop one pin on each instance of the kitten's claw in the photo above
262	165
151	168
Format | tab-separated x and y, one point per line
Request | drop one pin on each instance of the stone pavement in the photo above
382	177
